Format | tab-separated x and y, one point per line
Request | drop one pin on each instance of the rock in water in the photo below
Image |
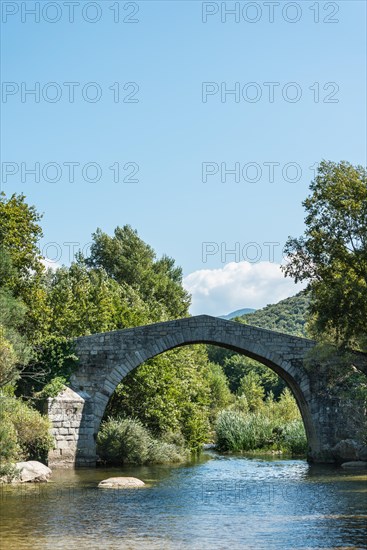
121	483
32	471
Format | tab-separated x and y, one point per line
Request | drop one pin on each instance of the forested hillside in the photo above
288	316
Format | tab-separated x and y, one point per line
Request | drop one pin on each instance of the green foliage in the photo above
12	315
238	432
288	316
22	272
236	366
9	446
8	360
220	394
32	431
19	235
127	259
294	437
252	389
54	362
14	348
85	301
286	408
53	388
24	433
127	441
332	254
168	393
275	426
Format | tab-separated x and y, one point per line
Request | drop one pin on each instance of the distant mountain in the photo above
288	316
237	313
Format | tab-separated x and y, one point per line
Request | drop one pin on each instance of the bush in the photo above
9	447
161	452
127	441
25	433
123	440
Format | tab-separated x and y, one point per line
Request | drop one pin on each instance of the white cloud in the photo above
238	285
50	264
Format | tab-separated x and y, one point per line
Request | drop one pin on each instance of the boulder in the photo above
121	483
354	464
345	450
32	471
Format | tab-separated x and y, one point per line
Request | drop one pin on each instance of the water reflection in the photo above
220	502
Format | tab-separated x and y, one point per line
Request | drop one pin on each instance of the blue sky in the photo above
169	132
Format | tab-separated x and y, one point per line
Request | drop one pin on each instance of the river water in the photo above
215	503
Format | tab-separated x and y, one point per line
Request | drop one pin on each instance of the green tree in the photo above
168	394
220	394
252	389
14	348
332	254
236	366
86	300
19	235
22	271
287	408
8	360
128	259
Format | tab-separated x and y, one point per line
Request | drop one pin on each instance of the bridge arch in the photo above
106	358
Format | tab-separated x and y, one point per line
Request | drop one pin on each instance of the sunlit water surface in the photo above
218	502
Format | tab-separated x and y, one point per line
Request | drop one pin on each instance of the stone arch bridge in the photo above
106	358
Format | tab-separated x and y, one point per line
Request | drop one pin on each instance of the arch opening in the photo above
268	362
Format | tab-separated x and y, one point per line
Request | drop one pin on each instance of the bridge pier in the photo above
72	416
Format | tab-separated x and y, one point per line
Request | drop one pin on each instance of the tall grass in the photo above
276	425
236	431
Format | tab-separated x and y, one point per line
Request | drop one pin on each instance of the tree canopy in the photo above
332	254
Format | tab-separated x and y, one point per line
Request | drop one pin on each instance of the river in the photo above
217	502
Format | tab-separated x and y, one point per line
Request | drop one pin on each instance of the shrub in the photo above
9	447
26	431
123	440
33	431
126	440
161	452
53	388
